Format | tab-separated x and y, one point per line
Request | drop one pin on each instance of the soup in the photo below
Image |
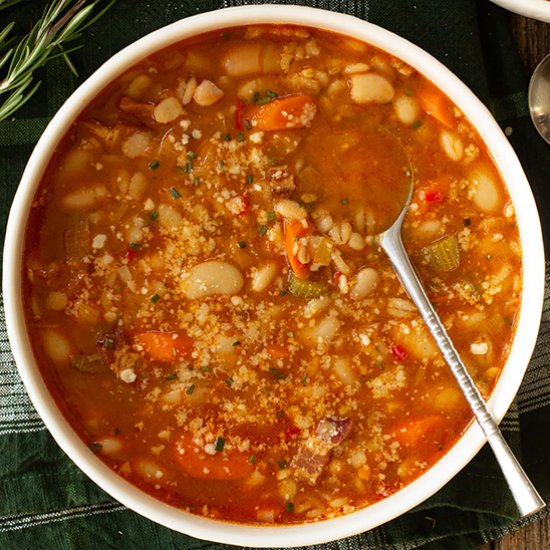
204	290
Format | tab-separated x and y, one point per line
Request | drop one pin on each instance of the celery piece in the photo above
442	255
302	288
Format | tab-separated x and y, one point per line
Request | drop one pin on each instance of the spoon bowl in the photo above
539	98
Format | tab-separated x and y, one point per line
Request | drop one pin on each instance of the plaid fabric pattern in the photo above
46	502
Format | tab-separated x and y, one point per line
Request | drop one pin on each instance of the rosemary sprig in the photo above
62	22
8	3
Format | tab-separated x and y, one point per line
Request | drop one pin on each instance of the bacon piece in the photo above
314	454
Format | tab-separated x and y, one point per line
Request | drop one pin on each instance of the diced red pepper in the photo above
239	115
434	196
293	431
130	254
245	204
399	352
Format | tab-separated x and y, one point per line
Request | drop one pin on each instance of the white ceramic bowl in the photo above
468	445
536	9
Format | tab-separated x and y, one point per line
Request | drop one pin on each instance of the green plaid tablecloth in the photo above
46	502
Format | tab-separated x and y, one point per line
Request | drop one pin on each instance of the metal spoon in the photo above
527	499
539	98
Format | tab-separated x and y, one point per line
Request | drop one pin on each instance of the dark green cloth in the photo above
46	502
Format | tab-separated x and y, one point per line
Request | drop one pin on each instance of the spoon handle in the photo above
526	496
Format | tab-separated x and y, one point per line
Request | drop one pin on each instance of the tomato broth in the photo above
204	291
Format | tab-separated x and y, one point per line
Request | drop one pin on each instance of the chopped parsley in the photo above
190	389
171	377
247	124
289	507
108	343
155	298
154	165
240	137
467	222
220	165
236	343
96	447
252	459
344	201
153	215
379	365
219	444
134	246
416	124
305	379
249	179
241	244
192	155
408	91
188	167
175	193
262	230
229	381
227	137
196	182
269	96
279	375
271	216
283	463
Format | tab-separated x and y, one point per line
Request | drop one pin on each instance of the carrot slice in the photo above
224	465
164	346
293	230
291	111
436	105
415	432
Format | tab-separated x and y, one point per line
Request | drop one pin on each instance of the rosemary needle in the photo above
61	22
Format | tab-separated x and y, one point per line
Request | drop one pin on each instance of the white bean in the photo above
148	469
136	145
367	280
288	489
399	307
168	110
56	346
484	191
138	183
262	276
109	445
324	331
371	88
290	210
243	59
84	198
428	229
207	93
139	85
56	300
451	144
406	109
316	306
342	369
356	241
447	399
212	278
186	90
169	217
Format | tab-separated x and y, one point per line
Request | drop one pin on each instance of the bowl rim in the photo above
472	439
536	9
